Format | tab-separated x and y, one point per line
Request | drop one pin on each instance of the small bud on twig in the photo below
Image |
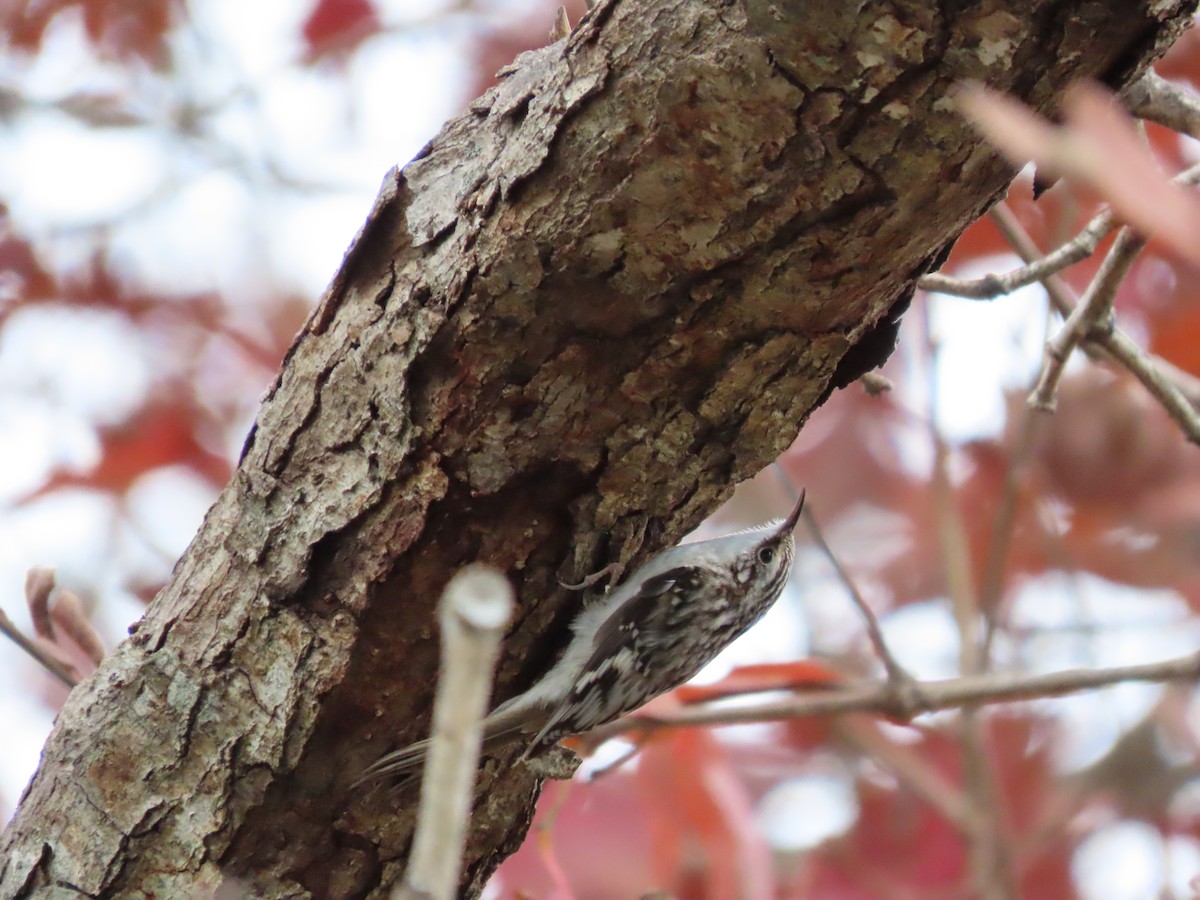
68	614
39	584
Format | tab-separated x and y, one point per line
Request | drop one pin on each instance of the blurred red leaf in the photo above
902	845
24	24
581	831
1047	876
898	840
128	29
706	843
850	447
158	436
1128	482
1019	750
1124	483
124	30
1183	59
1175	327
804	673
23	273
1109	442
336	27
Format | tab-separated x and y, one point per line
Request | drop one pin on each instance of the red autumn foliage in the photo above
126	31
337	27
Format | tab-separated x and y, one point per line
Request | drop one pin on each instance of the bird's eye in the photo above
765	555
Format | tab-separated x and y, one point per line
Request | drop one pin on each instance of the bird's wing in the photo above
616	653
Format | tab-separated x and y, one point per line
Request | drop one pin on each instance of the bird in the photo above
649	634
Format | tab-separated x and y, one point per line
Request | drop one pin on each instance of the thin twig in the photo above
1091	318
1156	99
990	855
897	675
1061	297
1038	266
475	607
952	693
991	285
59	670
902	682
991	587
1153	379
1176	390
39	584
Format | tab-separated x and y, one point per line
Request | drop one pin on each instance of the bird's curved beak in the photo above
794	516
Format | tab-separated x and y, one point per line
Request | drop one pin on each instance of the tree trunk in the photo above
613	288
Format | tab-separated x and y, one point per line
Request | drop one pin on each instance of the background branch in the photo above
1090	318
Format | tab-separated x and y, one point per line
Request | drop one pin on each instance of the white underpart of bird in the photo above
648	635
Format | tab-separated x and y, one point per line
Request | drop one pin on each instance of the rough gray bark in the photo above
613	288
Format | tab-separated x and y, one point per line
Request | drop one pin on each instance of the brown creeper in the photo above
656	630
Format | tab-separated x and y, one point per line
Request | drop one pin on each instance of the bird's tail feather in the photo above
499	727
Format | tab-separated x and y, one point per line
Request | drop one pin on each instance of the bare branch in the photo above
991	871
1158	100
989	286
59	670
1090	319
1177	391
1038	266
1154	379
902	682
1062	298
954	693
1090	327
